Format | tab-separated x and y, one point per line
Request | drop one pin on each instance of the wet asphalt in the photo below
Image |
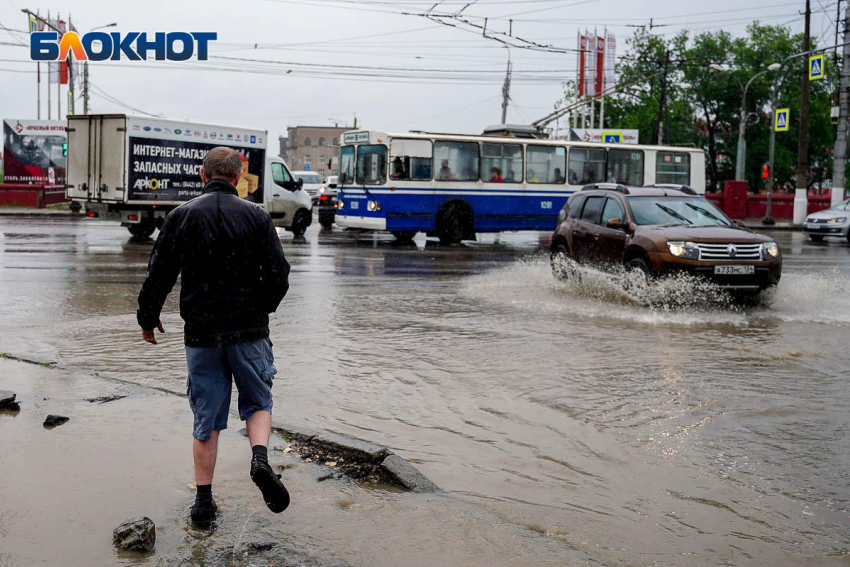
580	423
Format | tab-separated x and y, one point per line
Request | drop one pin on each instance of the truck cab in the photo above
289	205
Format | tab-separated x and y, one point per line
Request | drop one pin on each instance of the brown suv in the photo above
661	230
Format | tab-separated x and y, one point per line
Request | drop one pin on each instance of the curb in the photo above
38	213
782	227
399	469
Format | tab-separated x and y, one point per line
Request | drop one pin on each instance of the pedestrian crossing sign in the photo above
612	138
783	117
816	70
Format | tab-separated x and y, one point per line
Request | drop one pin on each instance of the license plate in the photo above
812	226
734	270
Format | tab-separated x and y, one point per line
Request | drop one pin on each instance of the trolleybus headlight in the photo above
684	250
372	206
340	204
771	250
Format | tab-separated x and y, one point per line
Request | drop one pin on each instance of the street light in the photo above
741	157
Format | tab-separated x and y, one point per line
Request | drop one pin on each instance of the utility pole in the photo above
803	140
663	98
506	92
839	158
86	87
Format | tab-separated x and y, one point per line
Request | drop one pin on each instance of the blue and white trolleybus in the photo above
453	186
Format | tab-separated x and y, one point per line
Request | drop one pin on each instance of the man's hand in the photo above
149	337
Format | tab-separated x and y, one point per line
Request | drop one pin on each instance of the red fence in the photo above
738	203
36	196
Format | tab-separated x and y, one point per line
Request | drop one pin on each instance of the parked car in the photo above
832	222
327	201
312	183
662	230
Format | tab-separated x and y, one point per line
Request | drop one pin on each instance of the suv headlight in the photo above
837	220
770	250
684	250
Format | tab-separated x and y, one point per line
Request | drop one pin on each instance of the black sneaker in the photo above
274	493
203	513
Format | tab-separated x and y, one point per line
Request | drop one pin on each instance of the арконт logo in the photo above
135	46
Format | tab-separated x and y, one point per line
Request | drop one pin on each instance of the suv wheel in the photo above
563	267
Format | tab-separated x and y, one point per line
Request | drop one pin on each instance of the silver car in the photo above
834	222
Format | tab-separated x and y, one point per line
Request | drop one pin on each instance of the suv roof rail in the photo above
686	189
606	187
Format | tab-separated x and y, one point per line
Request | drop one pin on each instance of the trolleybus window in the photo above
501	163
546	164
456	161
587	165
346	165
410	159
673	167
372	164
625	167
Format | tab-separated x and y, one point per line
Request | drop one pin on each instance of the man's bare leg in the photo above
259	428
205	453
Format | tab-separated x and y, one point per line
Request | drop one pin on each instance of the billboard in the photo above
33	151
165	158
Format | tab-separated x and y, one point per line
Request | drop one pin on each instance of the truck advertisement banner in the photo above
33	151
169	169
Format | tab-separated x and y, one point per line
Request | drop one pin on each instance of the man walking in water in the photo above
234	275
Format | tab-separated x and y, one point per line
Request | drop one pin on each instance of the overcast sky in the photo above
459	92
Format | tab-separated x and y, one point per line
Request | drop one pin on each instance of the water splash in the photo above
812	297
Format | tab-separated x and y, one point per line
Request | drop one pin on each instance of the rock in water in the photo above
7	399
54	420
136	534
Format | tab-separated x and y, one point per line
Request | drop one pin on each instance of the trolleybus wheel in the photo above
454	222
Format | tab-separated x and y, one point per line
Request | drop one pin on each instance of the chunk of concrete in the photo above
135	534
7	399
55	420
363	450
407	476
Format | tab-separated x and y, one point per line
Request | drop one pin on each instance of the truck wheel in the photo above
142	230
404	235
300	223
326	224
816	238
454	222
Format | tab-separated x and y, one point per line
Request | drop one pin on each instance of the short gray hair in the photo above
222	163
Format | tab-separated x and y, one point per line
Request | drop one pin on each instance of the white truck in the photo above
136	169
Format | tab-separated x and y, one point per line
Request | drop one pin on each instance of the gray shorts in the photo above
212	371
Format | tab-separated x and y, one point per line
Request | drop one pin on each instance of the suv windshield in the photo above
684	211
307	178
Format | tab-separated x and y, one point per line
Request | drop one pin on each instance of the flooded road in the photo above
694	435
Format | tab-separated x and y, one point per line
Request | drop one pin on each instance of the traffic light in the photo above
64	149
765	171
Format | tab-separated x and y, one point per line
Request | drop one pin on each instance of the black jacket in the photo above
234	270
